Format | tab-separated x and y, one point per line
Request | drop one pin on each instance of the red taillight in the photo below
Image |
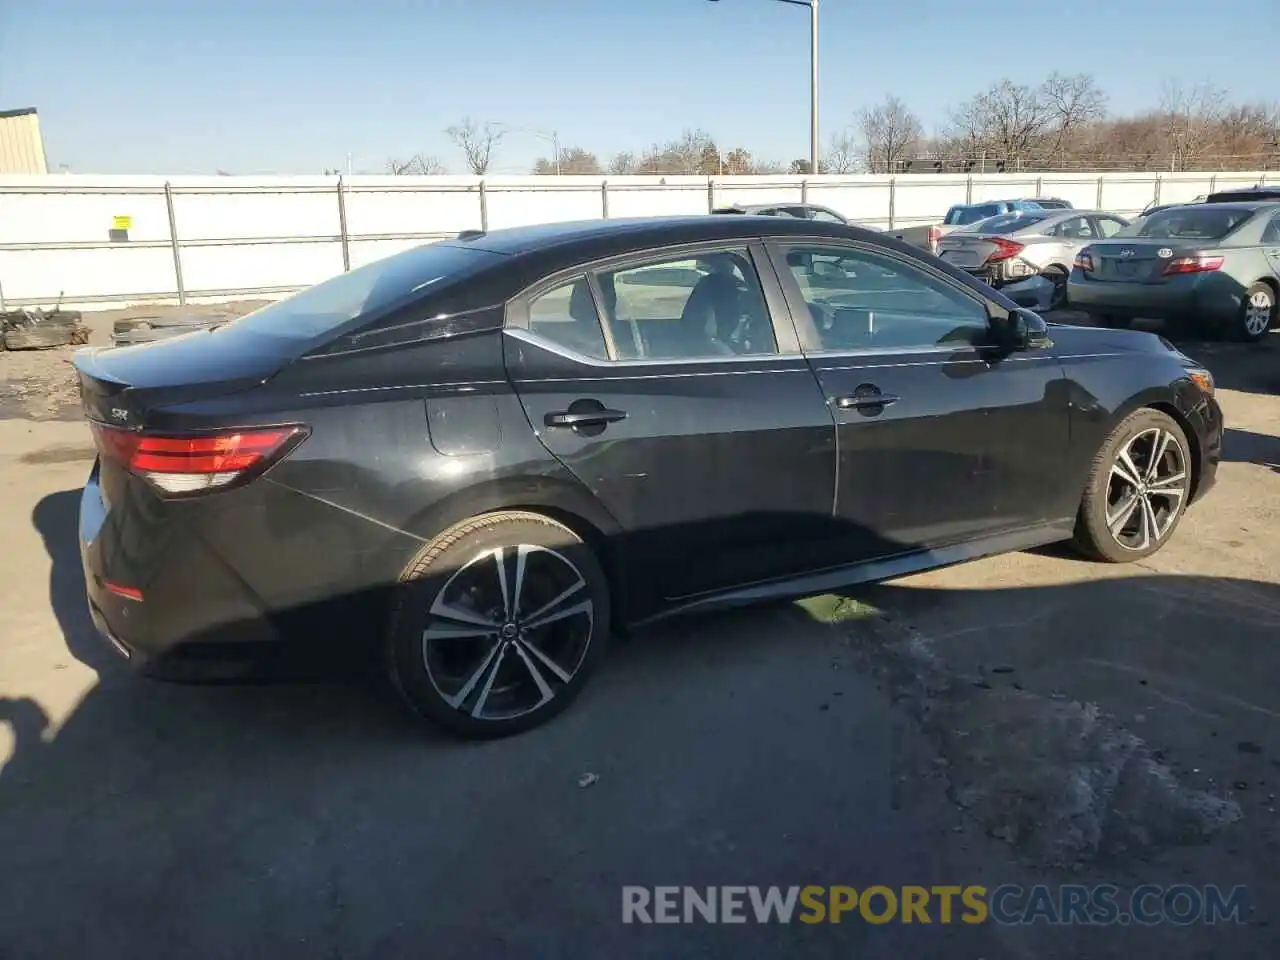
935	234
196	462
1084	261
1191	265
1004	249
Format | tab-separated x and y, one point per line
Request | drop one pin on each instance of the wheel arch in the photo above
1169	408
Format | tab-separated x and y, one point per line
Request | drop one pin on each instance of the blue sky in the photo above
188	86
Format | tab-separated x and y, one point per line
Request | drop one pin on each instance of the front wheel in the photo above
498	623
1257	313
1137	491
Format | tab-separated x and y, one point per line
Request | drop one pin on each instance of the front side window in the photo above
696	307
566	316
862	300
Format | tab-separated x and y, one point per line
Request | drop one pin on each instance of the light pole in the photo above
550	136
813	78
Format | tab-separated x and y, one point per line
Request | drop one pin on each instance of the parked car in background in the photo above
1010	248
1216	265
926	236
493	451
1246	194
802	211
1154	207
1051	203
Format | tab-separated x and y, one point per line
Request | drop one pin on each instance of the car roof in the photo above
620	235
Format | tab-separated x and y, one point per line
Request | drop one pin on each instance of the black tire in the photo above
522	667
1247	327
38	338
1104	495
1058	277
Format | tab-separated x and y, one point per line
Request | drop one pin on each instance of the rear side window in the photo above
962	216
1199	222
367	291
1006	223
1272	233
566	315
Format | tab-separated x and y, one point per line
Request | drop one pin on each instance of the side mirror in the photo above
1027	330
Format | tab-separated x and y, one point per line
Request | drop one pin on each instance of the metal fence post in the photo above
173	244
484	207
968	189
804	191
1039	186
1101	183
604	199
342	226
2	307
711	195
1156	193
1213	183
893	198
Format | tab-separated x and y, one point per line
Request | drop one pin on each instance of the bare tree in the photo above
738	162
477	142
622	164
573	160
842	154
1191	118
418	165
1075	101
693	153
1008	120
889	132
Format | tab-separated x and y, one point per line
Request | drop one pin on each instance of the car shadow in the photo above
1245	446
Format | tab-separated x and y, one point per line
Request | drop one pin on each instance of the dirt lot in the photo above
1029	718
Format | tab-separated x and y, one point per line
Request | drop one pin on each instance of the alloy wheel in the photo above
1146	489
1257	313
508	631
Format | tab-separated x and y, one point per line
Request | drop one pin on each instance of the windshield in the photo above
961	216
1191	223
1005	223
369	289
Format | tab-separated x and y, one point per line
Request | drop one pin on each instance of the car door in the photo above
943	437
1271	244
690	413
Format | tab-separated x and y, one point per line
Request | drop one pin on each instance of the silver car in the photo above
1013	247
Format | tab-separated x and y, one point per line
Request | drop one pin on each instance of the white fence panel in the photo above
99	240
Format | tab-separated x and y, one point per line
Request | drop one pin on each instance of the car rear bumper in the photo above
1181	298
169	589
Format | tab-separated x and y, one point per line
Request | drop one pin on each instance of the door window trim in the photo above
811	342
775	302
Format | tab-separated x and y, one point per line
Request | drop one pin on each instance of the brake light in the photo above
1084	261
1191	265
935	234
1004	249
197	462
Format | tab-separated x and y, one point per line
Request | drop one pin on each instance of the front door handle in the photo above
865	401
583	418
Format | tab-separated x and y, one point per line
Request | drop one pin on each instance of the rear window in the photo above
1192	223
962	216
1005	223
372	289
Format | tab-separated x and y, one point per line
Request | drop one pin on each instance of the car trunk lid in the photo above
120	386
966	251
1134	261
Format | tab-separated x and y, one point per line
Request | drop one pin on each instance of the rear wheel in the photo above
1257	313
498	624
1137	490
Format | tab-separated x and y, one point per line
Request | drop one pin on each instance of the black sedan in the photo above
492	453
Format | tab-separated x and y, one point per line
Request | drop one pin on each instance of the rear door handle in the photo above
583	418
866	401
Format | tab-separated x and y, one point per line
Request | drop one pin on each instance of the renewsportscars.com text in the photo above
1069	904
